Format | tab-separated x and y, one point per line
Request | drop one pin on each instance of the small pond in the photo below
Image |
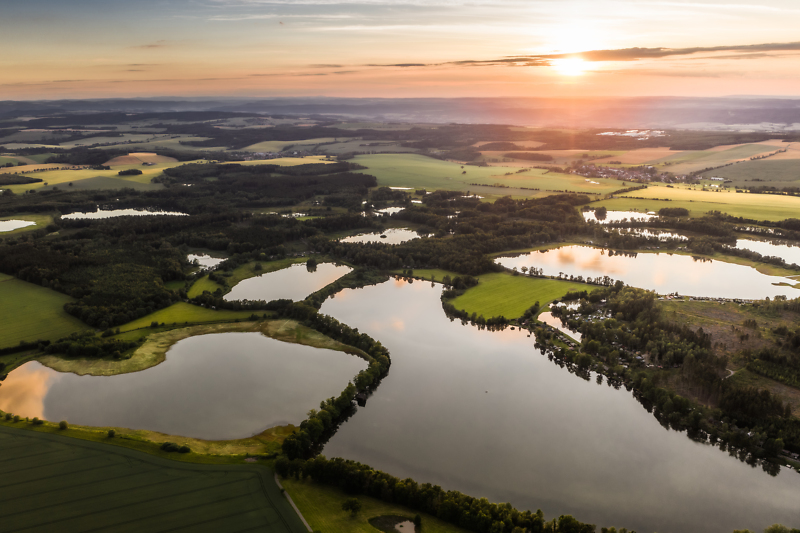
120	213
294	283
787	252
618	216
11	225
389	210
205	260
661	272
220	386
486	413
548	318
393	236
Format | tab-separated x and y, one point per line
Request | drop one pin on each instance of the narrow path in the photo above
729	375
291	501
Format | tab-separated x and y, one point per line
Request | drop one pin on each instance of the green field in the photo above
420	172
30	312
322	508
698	202
283	161
358	146
279	146
692	161
763	172
241	273
501	293
181	312
109	178
54	483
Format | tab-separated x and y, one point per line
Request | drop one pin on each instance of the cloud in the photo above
750	51
163	43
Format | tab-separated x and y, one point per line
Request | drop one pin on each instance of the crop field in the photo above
692	161
560	157
501	293
754	206
181	312
125	138
34	136
30	312
171	142
27	169
361	146
283	161
139	158
322	508
279	146
770	172
531	145
97	486
639	157
420	172
111	178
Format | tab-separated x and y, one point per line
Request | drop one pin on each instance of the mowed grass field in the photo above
692	161
420	172
321	506
29	312
279	146
501	293
54	483
40	220
110	178
763	172
181	312
755	206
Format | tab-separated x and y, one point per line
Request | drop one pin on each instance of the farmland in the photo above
422	172
770	172
501	293
279	146
753	206
243	272
181	312
692	161
91	485
30	312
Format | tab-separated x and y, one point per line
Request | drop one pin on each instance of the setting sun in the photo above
573	66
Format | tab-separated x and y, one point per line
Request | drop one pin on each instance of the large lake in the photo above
661	272
220	386
787	252
486	413
293	283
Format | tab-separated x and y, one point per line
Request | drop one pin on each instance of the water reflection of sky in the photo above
294	283
221	386
617	216
486	413
119	213
790	254
660	272
204	260
393	236
11	225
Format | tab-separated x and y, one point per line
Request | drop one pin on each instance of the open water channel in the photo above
661	272
488	414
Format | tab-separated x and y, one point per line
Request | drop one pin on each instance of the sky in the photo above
53	49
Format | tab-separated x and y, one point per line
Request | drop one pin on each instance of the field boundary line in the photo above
291	501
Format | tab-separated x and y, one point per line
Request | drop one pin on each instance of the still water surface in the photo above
294	283
120	213
393	236
787	252
204	260
220	386
487	414
660	272
618	216
11	225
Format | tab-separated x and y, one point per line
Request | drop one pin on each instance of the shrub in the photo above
111	433
63	425
9	416
16	418
36	421
351	504
184	449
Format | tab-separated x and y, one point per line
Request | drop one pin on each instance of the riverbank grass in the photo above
30	312
503	294
181	312
321	506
